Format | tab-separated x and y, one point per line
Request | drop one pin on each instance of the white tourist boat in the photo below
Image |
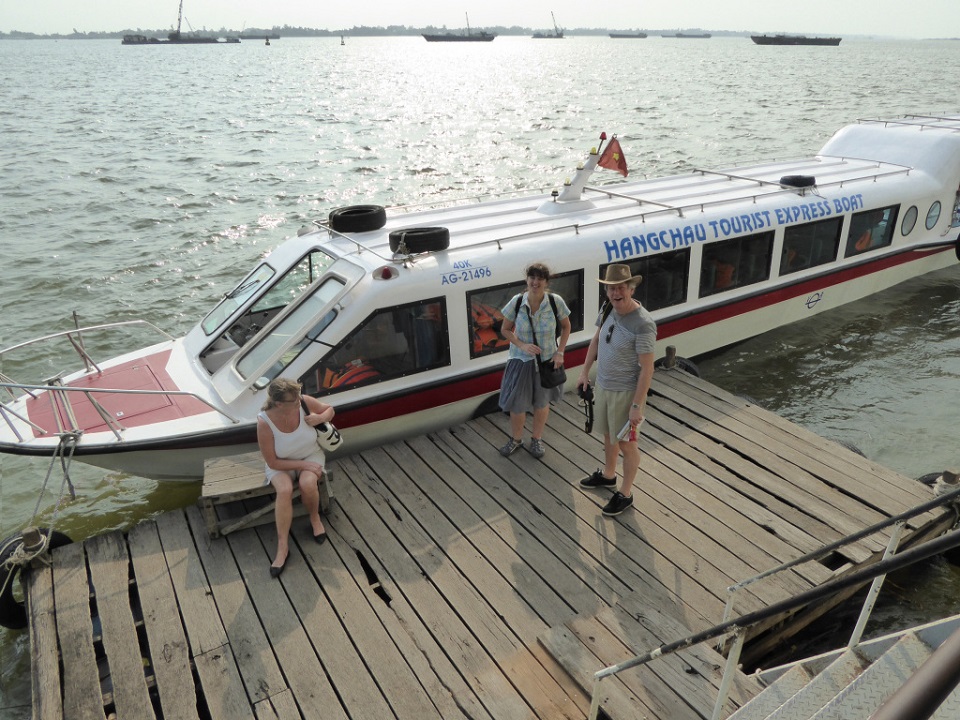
392	315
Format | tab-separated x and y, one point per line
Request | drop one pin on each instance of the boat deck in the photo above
461	584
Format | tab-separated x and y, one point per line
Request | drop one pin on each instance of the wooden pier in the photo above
461	584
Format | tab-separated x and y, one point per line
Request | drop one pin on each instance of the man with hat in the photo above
623	348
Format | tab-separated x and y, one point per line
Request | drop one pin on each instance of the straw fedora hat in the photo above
617	274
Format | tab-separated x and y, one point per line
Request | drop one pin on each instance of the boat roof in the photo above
865	154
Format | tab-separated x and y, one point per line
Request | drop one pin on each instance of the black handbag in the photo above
550	376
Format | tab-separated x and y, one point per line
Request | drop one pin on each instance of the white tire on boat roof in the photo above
420	239
358	218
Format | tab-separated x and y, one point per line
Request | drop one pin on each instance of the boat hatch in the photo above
74	410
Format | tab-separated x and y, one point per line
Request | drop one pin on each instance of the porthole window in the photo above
933	214
909	220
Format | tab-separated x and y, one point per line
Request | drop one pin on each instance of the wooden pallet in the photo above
240	478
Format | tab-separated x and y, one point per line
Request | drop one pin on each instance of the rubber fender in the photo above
682	363
13	613
798	181
358	218
419	240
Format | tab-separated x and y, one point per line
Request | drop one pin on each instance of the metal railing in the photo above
63	392
739	625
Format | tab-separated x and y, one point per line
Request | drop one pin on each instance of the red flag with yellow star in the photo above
613	159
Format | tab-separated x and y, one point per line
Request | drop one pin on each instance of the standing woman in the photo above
535	322
288	441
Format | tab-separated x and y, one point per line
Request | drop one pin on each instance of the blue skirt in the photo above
520	390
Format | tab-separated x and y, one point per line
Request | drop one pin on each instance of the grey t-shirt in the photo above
631	335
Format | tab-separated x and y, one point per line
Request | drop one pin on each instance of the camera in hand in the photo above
585	392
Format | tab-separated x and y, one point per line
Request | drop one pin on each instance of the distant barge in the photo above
794	40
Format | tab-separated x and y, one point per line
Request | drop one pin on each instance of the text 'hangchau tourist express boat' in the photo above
393	315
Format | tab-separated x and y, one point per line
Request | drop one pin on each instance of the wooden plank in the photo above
409	569
744	478
200	616
835	465
166	637
645	684
282	706
626	555
44	654
615	699
852	472
542	546
474	587
296	656
110	577
82	699
408	630
700	662
222	685
249	644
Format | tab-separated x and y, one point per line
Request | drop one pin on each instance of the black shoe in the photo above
598	480
321	538
618	503
275	571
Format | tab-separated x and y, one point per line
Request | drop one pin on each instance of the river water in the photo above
140	182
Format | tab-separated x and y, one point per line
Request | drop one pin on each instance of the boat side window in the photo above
306	320
810	244
665	277
735	263
391	343
871	229
484	308
909	220
933	215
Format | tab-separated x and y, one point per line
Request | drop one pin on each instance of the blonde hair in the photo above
278	390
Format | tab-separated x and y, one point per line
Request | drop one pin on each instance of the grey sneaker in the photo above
511	447
598	480
618	503
535	448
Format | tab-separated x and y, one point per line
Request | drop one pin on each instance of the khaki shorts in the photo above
611	411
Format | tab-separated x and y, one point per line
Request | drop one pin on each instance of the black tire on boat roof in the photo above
681	363
13	613
420	239
358	218
799	181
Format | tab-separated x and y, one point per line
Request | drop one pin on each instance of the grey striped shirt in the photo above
631	335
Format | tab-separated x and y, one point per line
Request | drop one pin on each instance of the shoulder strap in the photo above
606	310
516	310
303	404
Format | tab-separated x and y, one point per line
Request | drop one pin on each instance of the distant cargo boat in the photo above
177	38
794	40
259	36
469	36
557	33
637	35
689	36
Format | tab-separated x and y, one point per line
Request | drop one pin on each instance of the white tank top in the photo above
297	445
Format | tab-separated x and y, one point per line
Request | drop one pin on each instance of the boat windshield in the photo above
305	322
237	297
284	291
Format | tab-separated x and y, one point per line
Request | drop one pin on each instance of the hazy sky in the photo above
919	19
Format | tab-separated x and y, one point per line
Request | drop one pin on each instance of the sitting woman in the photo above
288	441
